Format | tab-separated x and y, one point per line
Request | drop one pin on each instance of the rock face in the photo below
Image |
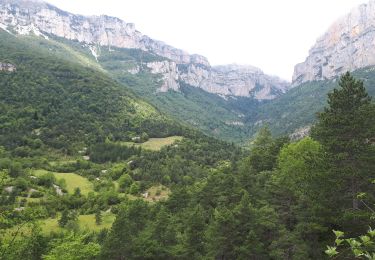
43	19
169	72
234	80
348	44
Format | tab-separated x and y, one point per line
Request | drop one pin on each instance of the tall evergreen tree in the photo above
130	221
194	232
265	150
346	128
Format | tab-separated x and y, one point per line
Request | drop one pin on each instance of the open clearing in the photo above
156	193
86	222
155	144
72	181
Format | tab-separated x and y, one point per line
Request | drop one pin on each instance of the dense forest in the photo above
89	170
195	198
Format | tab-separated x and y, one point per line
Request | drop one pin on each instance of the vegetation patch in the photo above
155	144
156	193
85	222
72	181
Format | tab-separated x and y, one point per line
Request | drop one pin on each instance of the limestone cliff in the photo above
348	44
43	19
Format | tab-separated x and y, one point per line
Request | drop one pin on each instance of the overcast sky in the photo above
273	35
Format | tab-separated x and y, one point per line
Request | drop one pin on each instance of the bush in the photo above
125	182
134	188
36	194
46	180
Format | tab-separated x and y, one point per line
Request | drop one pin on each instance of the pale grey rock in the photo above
58	190
9	189
229	80
169	73
348	44
42	19
234	80
38	17
236	123
7	67
300	133
247	81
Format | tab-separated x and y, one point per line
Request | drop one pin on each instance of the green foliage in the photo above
130	221
98	217
46	179
191	105
74	104
105	152
265	150
207	199
134	188
24	245
301	166
125	182
72	247
68	217
362	247
345	129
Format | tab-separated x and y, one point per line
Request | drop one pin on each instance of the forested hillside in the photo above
235	119
189	196
117	146
50	100
298	107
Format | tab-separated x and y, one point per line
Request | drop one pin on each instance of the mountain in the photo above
50	98
346	46
295	112
98	32
231	102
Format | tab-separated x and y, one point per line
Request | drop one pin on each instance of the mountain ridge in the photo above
105	31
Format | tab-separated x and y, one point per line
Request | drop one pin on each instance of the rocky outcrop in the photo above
43	19
169	72
7	67
245	81
229	80
300	133
348	44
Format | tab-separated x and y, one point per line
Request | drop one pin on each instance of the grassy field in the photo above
72	181
156	193
86	222
155	144
62	162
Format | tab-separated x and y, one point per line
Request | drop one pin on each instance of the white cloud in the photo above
271	34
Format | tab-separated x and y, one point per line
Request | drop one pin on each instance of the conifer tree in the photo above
98	217
346	128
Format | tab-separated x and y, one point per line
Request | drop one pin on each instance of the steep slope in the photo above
347	45
46	99
98	32
296	111
211	113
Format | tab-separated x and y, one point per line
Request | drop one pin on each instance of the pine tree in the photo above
265	150
64	218
194	232
98	217
346	128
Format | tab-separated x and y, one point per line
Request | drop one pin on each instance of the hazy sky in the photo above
273	35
